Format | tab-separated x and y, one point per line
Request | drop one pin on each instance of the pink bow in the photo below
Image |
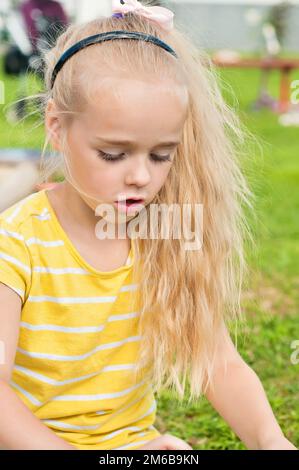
162	16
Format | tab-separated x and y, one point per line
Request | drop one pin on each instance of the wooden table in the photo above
284	65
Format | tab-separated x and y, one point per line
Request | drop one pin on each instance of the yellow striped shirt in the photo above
78	339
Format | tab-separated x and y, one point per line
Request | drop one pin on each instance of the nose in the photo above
138	174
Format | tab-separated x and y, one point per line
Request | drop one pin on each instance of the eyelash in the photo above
111	158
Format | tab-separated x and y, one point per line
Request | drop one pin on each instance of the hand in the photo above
279	443
166	442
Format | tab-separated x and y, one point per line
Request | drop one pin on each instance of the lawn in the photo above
271	299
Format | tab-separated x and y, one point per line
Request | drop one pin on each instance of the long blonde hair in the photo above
186	296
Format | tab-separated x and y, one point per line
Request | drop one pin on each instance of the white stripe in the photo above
62	329
30	397
19	207
38	241
61	424
136	400
85	397
79	329
71	300
124	316
15	261
32	240
14	214
44	215
8	233
42	269
78	300
50	381
128	405
131	445
128	287
55	357
118	367
99	396
119	431
60	383
102	396
149	411
133	428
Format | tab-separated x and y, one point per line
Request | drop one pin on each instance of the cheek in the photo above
88	169
101	181
162	173
106	176
159	177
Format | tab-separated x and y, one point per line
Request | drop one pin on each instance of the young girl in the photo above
92	326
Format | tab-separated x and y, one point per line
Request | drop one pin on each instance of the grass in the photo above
271	299
26	133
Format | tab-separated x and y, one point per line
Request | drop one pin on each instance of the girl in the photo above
93	325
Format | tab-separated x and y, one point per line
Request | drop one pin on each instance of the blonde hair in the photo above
186	296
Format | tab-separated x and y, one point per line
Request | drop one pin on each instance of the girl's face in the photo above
123	144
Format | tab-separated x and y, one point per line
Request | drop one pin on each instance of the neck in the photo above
77	212
76	209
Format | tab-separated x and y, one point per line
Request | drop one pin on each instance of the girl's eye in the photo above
109	157
116	158
160	158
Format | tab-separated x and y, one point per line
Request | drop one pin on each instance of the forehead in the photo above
136	107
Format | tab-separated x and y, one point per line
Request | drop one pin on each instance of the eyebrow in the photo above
128	142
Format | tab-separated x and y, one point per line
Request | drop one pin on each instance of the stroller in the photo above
34	27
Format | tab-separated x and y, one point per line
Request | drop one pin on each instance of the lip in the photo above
123	197
122	206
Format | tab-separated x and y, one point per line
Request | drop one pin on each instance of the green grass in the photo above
28	133
271	300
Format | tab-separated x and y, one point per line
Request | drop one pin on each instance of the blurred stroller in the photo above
33	28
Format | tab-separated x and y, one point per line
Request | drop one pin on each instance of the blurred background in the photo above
254	46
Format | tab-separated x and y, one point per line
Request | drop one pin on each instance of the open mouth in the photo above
129	204
133	201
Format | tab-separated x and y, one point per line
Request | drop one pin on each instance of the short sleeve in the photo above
15	265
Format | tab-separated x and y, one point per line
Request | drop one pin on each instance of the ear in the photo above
53	123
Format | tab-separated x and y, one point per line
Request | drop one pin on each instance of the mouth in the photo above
130	205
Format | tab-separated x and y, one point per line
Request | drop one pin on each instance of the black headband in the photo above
97	38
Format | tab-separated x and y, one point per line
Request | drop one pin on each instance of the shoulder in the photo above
20	215
17	226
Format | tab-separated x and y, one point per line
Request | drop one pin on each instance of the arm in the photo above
239	397
19	428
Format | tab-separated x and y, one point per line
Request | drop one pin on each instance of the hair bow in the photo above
162	16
